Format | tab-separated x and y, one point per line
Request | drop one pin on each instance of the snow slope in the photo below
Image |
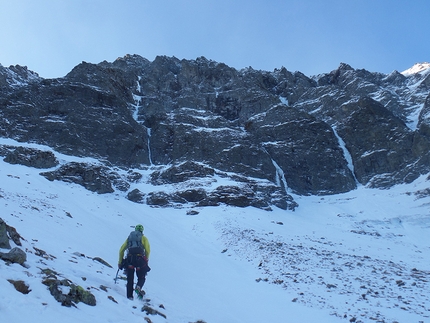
417	68
362	256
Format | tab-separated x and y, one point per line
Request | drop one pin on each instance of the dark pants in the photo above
136	263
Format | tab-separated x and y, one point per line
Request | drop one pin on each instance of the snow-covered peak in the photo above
417	68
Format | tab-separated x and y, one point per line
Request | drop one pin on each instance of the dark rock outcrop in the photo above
181	173
7	233
136	196
93	177
164	199
193	194
304	150
15	255
31	157
4	239
199	115
379	142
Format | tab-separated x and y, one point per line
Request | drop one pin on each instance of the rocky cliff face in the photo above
318	135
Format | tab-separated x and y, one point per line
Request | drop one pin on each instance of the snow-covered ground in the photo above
363	256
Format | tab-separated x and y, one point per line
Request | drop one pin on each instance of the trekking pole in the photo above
116	276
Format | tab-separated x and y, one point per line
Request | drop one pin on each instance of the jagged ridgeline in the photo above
308	135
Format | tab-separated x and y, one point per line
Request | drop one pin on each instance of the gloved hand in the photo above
120	267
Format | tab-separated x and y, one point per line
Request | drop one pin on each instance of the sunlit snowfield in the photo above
360	256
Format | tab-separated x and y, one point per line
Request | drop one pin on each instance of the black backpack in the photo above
135	246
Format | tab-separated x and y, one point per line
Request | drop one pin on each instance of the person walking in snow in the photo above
138	249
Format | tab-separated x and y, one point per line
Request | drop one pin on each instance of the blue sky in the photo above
310	36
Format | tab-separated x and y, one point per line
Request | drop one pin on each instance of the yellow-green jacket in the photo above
145	244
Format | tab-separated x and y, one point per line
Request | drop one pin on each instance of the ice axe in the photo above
116	276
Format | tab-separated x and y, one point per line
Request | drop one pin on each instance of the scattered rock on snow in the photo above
112	299
75	295
295	266
151	311
43	254
103	262
192	212
20	286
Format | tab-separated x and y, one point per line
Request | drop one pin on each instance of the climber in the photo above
138	249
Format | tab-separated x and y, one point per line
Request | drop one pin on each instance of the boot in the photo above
140	292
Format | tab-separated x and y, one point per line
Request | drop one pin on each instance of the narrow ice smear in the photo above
283	100
137	102
346	154
361	256
139	89
280	176
148	130
137	99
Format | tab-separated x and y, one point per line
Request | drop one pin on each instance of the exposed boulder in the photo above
164	199
136	196
7	233
4	239
193	194
93	177
31	157
233	195
14	235
15	255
